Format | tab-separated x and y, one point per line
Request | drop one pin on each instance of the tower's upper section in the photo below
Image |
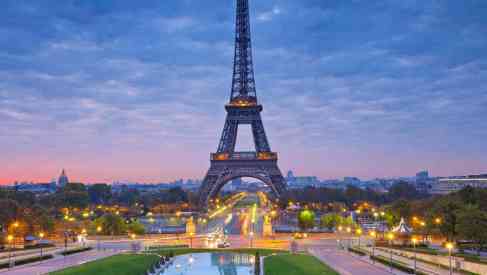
243	83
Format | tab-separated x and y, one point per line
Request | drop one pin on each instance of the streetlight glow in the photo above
390	236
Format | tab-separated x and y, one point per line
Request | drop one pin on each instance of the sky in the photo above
135	90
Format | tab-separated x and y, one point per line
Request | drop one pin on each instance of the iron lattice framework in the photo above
243	108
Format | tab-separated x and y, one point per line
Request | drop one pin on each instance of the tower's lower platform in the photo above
226	167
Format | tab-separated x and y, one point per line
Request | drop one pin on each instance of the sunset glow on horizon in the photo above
135	91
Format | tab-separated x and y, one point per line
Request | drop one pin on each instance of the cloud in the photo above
146	83
269	15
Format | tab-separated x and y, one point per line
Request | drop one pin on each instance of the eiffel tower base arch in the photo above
222	172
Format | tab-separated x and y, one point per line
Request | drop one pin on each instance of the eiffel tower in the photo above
243	108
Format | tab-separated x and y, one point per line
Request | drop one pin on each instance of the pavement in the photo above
58	263
421	266
345	262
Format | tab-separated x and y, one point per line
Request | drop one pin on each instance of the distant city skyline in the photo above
135	91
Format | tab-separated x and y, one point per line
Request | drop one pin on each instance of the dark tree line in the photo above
351	195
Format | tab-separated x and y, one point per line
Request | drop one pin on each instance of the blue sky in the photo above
134	90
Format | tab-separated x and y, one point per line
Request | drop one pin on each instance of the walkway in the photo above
421	266
345	262
57	263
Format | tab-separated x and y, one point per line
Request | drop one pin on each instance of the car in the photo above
224	245
299	235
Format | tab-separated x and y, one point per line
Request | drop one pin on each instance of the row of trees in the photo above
41	213
351	195
457	216
460	216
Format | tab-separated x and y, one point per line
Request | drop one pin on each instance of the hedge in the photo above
396	265
27	260
157	247
76	250
357	251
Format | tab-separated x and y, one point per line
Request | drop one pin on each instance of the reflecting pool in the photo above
212	264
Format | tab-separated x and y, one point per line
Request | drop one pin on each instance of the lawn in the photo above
296	264
116	265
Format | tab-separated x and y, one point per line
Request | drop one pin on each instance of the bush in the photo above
76	250
158	247
27	260
36	246
396	265
357	251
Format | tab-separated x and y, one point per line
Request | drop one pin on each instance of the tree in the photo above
111	224
100	193
128	196
472	224
403	190
306	219
331	221
73	195
447	209
348	221
399	209
9	211
37	219
136	228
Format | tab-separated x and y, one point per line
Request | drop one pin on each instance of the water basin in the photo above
212	264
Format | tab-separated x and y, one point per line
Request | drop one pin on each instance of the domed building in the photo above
63	179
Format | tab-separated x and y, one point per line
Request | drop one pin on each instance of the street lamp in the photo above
15	225
83	236
10	238
373	234
390	237
191	239
340	228
359	233
450	246
41	236
414	240
349	230
251	238
98	231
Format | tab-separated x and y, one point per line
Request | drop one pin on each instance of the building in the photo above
423	182
63	179
453	184
37	188
302	182
351	181
422	175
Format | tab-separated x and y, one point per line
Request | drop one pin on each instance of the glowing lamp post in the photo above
41	236
98	231
10	239
340	229
349	230
373	234
251	238
390	237
450	246
414	241
191	239
359	233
